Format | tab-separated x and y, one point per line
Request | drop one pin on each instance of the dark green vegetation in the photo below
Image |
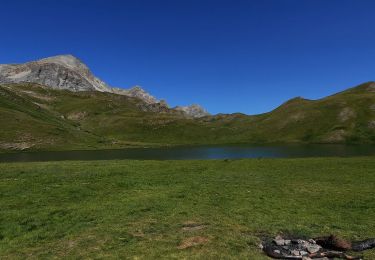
33	117
151	209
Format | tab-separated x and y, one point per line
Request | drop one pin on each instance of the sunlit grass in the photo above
138	208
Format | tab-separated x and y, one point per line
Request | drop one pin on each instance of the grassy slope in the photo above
137	208
23	121
339	118
97	120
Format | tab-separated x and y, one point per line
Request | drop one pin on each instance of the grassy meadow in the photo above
180	209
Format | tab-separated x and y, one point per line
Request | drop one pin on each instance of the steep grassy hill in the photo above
36	117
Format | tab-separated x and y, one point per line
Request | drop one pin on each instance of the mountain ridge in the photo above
70	73
37	117
57	103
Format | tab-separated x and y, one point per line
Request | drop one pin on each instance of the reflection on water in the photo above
197	152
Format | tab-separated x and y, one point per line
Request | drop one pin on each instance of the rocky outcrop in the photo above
136	92
193	110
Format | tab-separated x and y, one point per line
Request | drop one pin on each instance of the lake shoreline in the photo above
200	152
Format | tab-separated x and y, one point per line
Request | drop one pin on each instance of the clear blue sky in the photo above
229	56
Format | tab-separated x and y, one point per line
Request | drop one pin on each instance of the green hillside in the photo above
35	117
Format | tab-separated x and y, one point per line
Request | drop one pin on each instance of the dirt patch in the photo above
371	87
336	136
293	118
37	95
16	146
193	241
138	233
77	115
297	117
42	105
346	114
192	226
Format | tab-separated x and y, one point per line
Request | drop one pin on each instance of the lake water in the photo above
197	152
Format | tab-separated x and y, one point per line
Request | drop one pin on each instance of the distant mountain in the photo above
69	73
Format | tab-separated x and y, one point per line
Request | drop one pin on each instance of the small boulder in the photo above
295	252
279	241
313	248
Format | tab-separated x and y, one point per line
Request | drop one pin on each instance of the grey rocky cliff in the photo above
193	110
59	72
69	73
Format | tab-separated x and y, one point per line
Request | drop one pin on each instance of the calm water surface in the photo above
197	152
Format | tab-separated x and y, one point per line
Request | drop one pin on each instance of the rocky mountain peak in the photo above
194	110
67	60
59	72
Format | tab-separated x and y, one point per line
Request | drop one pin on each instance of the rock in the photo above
295	252
313	248
277	251
279	241
287	242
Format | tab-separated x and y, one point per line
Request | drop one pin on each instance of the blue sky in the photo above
227	55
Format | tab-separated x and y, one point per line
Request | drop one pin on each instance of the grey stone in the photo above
312	241
287	242
313	248
295	252
279	241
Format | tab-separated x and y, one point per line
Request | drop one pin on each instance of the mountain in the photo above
37	112
67	72
34	116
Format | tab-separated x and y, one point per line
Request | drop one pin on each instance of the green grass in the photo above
136	209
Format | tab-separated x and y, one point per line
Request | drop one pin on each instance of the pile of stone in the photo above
282	248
